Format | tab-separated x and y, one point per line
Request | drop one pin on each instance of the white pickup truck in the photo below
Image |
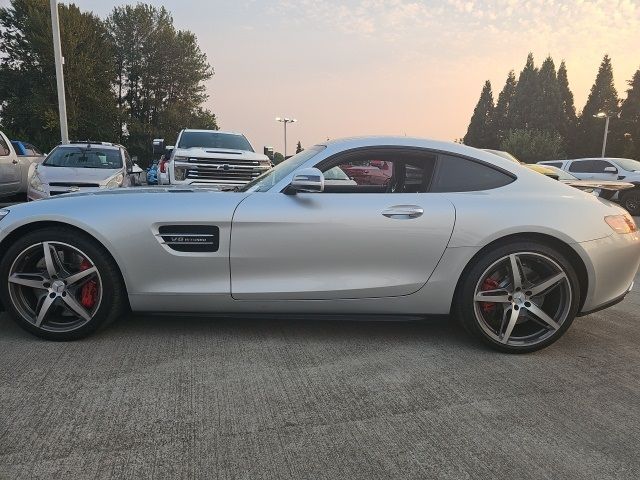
14	168
213	158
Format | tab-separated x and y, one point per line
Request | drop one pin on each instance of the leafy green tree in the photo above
299	147
29	101
626	131
481	133
278	158
160	75
531	146
568	124
524	111
503	106
602	98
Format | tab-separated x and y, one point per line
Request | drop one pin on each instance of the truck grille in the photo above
223	171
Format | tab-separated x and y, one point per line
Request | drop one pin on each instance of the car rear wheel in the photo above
59	284
519	297
631	201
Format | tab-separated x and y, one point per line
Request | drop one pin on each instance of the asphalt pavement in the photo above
163	397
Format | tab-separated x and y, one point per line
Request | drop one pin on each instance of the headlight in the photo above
179	173
3	213
35	183
621	223
115	182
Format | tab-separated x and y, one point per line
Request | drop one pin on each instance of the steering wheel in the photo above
396	182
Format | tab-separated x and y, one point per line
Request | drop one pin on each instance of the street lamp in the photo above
59	60
606	130
284	121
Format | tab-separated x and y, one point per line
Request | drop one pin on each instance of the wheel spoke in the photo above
548	284
493	296
32	280
76	307
46	304
48	259
538	312
513	319
76	277
515	271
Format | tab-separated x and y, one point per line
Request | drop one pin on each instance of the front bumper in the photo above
612	263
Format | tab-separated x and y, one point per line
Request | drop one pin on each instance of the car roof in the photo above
204	130
92	144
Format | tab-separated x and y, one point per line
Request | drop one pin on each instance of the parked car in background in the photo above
163	166
210	157
515	257
532	166
15	164
606	169
602	188
25	149
152	173
374	172
81	167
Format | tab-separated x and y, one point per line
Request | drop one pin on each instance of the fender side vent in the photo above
190	238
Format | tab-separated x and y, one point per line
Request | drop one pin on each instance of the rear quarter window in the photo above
457	174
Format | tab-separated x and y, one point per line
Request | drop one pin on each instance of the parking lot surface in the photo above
164	397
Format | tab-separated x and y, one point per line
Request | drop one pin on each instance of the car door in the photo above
594	169
354	241
9	169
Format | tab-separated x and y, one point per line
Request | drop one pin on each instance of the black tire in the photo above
631	201
113	298
466	311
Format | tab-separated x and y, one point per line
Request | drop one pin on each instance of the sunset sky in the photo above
398	66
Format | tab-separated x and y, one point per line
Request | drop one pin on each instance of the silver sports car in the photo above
449	230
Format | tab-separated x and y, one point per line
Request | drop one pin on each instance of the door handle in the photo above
403	212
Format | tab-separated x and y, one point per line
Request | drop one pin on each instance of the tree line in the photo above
534	117
129	78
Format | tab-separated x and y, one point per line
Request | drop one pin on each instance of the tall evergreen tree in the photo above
602	98
28	96
481	133
549	101
567	128
524	111
627	133
503	106
299	147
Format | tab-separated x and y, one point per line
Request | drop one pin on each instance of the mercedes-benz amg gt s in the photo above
513	255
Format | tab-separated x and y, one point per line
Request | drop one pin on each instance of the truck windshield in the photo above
226	141
268	179
77	157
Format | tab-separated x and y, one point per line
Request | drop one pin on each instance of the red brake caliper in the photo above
488	284
89	291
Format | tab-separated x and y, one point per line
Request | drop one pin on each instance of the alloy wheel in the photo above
54	286
522	299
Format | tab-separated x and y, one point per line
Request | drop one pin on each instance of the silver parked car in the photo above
515	256
81	167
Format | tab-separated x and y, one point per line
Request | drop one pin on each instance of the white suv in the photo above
210	157
607	169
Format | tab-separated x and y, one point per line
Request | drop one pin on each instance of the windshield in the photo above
627	164
268	179
83	157
227	141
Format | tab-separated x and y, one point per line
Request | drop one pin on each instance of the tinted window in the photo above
4	148
78	157
589	166
455	174
627	164
214	140
553	164
31	150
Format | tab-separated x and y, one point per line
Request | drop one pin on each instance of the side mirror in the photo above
610	170
158	146
167	151
308	180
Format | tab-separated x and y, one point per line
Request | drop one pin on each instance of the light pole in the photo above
57	53
284	121
606	130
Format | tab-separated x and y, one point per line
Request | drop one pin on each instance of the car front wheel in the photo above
519	297
631	201
60	284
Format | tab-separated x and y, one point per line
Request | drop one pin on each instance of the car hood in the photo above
219	153
80	175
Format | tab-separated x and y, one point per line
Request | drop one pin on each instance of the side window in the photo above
31	150
455	174
380	171
589	166
4	148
